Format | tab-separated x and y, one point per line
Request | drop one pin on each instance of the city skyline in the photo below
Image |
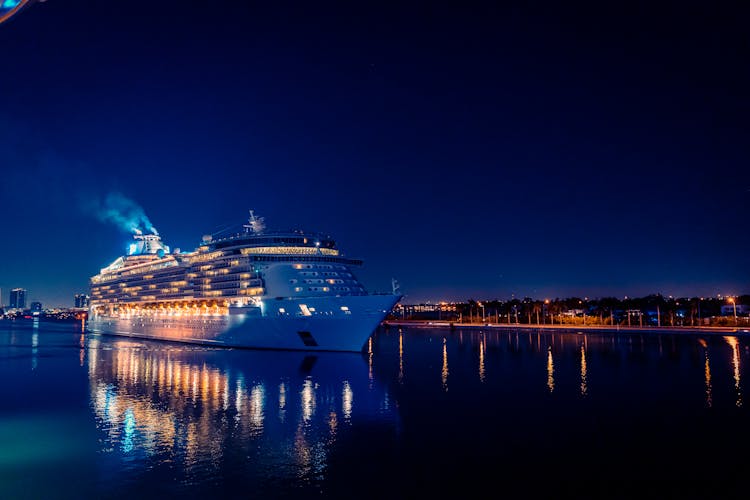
77	300
475	152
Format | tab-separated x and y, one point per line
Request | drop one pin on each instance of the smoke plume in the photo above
125	213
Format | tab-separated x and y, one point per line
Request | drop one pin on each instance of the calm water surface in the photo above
422	412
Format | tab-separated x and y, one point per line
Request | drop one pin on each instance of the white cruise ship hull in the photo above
340	323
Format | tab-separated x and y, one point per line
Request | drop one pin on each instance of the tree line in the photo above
650	310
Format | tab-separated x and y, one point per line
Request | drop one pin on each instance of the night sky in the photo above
469	151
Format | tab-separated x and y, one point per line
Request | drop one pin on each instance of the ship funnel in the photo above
148	244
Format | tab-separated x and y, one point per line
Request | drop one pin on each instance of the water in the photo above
423	412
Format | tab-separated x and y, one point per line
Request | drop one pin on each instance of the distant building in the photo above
573	313
728	310
438	311
81	300
36	307
18	298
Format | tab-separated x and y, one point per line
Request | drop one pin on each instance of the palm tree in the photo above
472	305
556	308
537	306
515	305
528	307
608	305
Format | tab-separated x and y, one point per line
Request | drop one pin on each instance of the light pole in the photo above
734	306
583	310
482	306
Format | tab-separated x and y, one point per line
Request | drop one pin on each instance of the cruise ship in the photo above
253	288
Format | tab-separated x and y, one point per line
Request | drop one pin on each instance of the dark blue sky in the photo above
466	150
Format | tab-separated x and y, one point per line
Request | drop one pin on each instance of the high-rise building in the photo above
18	298
82	300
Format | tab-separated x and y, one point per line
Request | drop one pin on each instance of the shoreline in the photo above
735	330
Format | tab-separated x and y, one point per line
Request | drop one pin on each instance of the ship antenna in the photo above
255	225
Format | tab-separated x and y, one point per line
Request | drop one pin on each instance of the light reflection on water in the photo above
171	406
191	420
482	347
584	384
706	371
734	344
400	356
553	345
550	370
444	372
35	344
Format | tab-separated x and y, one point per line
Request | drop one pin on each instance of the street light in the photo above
482	306
734	306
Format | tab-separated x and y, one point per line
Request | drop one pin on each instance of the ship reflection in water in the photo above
418	413
199	413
